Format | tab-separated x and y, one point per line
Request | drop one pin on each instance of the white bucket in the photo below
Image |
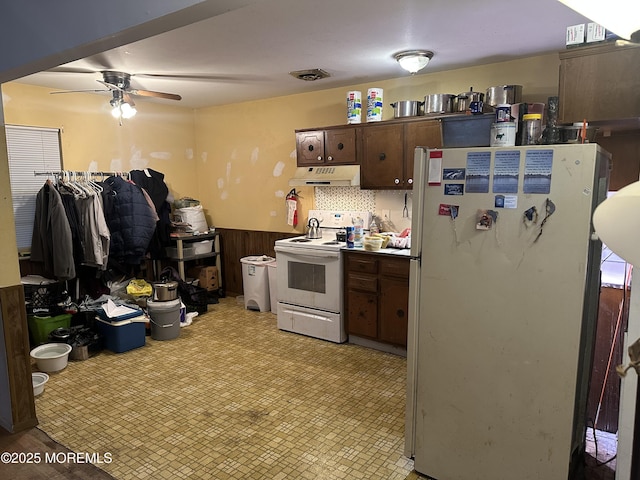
374	105
503	134
354	106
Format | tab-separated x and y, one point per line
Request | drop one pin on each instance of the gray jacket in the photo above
51	242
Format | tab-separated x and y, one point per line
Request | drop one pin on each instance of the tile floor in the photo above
234	398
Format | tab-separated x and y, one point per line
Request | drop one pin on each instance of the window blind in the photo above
30	149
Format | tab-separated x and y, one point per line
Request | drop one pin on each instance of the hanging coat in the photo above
131	221
51	242
153	182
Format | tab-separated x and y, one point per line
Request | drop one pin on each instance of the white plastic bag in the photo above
194	216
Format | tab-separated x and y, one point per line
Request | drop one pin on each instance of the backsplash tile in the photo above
374	201
345	198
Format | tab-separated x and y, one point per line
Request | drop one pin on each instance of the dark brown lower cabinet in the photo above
376	296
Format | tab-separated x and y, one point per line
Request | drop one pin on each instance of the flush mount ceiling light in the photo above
621	17
413	60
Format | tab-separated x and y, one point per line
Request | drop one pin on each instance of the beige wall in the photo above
9	273
237	158
158	137
246	151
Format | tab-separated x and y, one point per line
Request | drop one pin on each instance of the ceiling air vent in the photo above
310	75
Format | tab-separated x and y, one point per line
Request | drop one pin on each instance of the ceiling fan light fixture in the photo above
122	109
413	60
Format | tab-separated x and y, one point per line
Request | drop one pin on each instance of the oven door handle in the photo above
309	253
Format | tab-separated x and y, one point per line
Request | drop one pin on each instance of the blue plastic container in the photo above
121	337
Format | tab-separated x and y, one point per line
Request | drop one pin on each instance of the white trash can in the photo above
273	281
255	280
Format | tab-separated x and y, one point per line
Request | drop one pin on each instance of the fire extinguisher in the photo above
292	207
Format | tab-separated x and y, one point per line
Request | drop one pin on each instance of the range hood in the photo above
335	175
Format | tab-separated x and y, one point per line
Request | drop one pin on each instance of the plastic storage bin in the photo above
273	285
165	319
41	327
205	246
255	280
124	335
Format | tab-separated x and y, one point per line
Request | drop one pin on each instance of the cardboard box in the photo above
207	276
575	35
595	33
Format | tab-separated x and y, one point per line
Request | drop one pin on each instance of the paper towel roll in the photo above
374	105
354	106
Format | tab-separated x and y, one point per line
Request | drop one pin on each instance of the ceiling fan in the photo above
119	83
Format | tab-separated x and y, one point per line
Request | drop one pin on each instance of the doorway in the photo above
603	407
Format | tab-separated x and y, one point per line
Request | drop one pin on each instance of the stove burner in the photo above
300	240
332	242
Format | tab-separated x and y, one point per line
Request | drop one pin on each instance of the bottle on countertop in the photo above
373	228
358	227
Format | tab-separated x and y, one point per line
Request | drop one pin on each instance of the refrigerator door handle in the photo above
420	168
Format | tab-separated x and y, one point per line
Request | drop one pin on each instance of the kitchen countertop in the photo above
396	252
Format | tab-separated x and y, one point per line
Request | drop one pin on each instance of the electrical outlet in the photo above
385	214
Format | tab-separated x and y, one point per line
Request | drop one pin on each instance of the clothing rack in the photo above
81	173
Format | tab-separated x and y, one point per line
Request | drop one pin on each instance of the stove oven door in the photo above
309	277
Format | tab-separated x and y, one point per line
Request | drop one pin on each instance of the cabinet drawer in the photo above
361	263
395	268
366	283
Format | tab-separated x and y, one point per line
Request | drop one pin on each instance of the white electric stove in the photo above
309	278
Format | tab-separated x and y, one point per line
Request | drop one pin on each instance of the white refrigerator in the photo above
502	311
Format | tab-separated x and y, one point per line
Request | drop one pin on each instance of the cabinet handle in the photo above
319	158
382	156
397	181
310	147
329	158
400	313
410	181
340	146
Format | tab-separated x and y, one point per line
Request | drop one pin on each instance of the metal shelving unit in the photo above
181	258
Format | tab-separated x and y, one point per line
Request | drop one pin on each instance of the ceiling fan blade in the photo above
110	86
79	91
128	99
203	77
149	93
64	69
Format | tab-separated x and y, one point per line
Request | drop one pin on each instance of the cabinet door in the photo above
599	82
362	313
340	146
382	157
394	305
310	148
426	133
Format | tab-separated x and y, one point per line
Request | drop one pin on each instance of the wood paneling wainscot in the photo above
13	317
236	244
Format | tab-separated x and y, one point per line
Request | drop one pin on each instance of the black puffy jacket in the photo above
130	218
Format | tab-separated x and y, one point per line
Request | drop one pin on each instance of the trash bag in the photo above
195	299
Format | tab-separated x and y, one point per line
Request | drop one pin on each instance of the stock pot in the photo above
504	94
406	108
465	99
165	291
438	103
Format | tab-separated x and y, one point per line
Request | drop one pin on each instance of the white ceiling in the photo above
247	54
